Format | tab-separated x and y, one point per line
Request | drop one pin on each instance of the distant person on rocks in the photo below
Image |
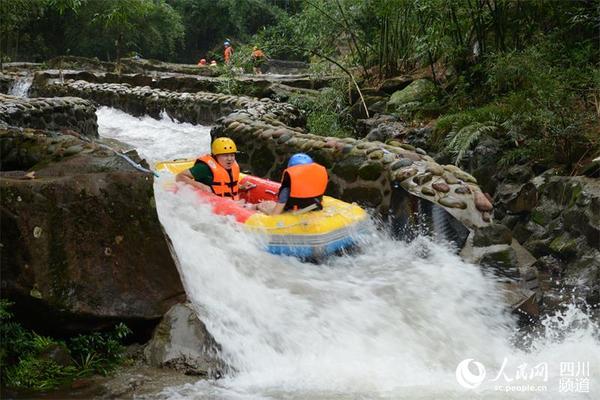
217	172
258	60
213	63
228	52
202	62
303	185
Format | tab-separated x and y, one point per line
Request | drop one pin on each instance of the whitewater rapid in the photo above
392	321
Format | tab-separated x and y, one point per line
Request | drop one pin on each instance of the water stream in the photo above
392	321
20	87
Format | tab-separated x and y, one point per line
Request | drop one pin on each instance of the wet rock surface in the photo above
563	229
181	342
77	223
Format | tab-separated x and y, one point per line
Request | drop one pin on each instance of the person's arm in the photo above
278	209
284	195
186	177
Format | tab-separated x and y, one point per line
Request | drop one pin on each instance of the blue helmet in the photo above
226	43
299	159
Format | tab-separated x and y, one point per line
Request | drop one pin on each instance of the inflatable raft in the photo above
304	234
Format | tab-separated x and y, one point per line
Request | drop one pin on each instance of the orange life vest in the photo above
227	54
223	185
258	54
308	183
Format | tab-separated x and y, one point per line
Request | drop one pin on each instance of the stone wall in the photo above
196	108
50	113
360	171
251	85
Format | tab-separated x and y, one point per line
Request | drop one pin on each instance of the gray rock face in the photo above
385	131
564	227
79	226
182	342
518	198
492	234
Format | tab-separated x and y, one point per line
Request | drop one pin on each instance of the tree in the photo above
120	18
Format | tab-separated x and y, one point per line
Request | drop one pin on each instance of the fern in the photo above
467	136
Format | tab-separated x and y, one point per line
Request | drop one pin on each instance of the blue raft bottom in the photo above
308	251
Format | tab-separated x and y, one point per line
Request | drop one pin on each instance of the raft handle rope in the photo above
129	160
120	154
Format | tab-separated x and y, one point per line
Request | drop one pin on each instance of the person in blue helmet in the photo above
228	52
303	185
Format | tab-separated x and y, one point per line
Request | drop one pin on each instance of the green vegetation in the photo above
174	30
327	113
32	361
524	72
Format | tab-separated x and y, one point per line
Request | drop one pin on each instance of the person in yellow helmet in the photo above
258	60
217	172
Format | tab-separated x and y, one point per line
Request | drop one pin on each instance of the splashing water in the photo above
392	321
20	87
155	140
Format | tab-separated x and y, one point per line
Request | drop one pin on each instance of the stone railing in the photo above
50	113
196	108
252	85
360	171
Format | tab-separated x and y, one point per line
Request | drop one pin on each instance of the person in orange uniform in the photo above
303	185
228	52
217	172
258	60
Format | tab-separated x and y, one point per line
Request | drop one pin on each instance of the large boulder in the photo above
82	247
182	342
412	97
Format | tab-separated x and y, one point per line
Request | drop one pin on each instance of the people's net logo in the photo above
468	379
519	376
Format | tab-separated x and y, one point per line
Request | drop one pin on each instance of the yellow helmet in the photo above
223	145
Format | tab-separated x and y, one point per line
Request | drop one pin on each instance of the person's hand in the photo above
266	206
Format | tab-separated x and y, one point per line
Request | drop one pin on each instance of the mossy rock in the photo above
504	261
411	96
564	246
370	171
347	168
